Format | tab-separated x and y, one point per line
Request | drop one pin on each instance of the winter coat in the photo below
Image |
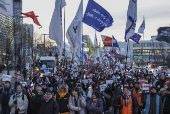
166	102
22	103
81	104
135	106
35	103
5	95
98	109
49	107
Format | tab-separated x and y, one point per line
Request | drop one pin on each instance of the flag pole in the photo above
126	62
82	39
65	60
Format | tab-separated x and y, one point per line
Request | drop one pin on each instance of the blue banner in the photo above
96	16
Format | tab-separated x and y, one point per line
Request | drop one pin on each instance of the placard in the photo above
103	87
6	77
109	82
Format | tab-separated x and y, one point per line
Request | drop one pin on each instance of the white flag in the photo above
74	32
96	46
55	30
142	26
131	19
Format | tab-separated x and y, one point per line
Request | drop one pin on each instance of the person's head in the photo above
137	85
153	89
37	80
75	91
7	84
131	85
162	77
38	88
18	88
126	90
62	89
168	90
96	94
48	94
44	86
79	87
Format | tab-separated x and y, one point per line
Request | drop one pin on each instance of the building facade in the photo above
151	52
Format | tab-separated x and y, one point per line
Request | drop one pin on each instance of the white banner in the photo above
6	7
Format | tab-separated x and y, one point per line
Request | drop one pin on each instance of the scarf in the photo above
18	94
126	99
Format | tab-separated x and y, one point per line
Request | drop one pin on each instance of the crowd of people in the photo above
80	92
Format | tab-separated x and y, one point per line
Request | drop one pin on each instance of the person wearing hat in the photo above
166	102
152	102
48	104
5	94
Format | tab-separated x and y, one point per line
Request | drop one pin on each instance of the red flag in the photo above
32	15
107	41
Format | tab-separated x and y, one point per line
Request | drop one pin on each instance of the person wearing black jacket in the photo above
24	72
48	104
166	102
36	100
6	93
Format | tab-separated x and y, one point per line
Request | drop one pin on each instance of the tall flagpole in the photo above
82	38
65	60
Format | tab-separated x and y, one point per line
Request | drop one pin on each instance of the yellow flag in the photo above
90	46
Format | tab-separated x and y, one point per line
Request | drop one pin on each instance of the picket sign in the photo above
127	73
6	77
145	87
103	87
145	81
109	82
109	71
167	81
18	77
85	81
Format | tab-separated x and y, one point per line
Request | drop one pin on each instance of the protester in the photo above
95	105
48	104
18	102
153	103
37	99
5	94
166	102
77	102
126	102
62	98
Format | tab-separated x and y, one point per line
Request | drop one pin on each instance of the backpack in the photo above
22	97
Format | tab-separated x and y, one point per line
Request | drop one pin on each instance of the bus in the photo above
47	65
